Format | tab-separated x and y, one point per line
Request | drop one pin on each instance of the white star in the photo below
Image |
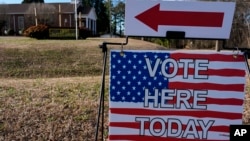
118	82
139	61
119	61
139	83
113	77
134	88
144	77
113	97
129	72
134	67
123	77
113	66
123	87
118	72
145	56
139	93
155	78
113	55
159	83
166	56
128	82
113	87
134	55
128	93
139	72
124	66
155	56
118	93
123	98
129	61
133	98
144	67
134	77
149	83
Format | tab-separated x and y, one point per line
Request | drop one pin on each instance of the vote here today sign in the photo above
176	95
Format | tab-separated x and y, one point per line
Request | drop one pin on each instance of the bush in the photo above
38	32
84	33
42	32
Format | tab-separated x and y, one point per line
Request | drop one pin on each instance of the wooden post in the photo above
60	16
35	17
217	46
80	19
76	20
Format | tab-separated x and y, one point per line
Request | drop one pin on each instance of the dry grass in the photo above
48	109
43	108
62	108
29	58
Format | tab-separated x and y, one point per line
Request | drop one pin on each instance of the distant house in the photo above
20	16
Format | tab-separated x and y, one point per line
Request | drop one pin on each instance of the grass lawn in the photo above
49	89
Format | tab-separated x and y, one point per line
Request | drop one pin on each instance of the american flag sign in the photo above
175	95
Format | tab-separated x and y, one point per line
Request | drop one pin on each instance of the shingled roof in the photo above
22	8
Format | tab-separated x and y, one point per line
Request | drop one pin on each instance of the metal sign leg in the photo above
102	92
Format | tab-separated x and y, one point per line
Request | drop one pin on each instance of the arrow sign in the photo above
154	17
197	19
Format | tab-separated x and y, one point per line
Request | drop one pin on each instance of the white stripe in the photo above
217	65
227	65
128	131
225	52
184	119
209	107
211	79
224	94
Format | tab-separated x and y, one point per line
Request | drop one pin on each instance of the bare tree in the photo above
240	28
43	13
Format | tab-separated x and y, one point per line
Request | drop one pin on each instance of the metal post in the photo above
102	91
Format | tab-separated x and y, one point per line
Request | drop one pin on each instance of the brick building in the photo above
18	17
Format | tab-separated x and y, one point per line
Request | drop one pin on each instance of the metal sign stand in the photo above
246	52
169	35
102	90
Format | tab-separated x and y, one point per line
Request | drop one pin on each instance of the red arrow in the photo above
154	17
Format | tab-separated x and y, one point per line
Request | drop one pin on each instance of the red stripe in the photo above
152	138
198	114
136	125
206	86
224	101
213	72
210	57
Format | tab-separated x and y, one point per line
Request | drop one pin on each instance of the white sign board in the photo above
175	95
154	18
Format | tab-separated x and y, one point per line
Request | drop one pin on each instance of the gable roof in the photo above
22	8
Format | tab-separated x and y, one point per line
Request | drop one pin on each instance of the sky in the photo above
20	1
